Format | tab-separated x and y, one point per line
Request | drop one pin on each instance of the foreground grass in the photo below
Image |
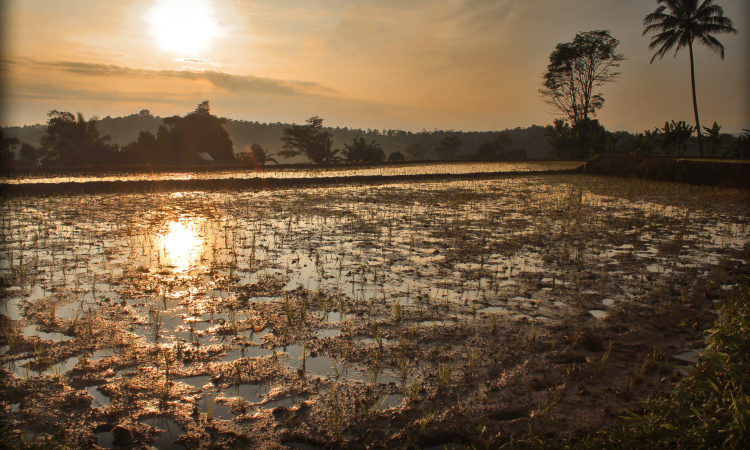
709	408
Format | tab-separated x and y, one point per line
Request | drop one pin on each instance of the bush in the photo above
396	157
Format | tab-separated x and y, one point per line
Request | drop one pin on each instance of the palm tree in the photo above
684	23
260	156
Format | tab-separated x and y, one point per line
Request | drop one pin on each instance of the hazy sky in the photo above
446	64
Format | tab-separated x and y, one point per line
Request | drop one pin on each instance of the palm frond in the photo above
712	43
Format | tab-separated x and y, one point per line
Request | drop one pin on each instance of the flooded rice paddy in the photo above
299	173
392	315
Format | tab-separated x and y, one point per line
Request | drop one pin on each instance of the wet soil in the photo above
240	183
719	174
394	315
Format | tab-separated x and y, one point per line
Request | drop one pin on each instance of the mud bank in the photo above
248	183
718	174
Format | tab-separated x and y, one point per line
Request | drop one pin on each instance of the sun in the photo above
183	27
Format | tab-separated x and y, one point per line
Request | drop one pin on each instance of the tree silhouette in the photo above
714	139
449	146
29	155
396	157
259	156
146	150
73	141
196	132
559	137
309	140
418	149
360	150
674	137
575	69
679	23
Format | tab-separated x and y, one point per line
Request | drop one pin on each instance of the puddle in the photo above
335	317
168	431
431	323
392	401
322	334
11	309
252	393
20	367
197	382
493	310
33	331
689	356
105	439
99	399
246	352
103	353
209	406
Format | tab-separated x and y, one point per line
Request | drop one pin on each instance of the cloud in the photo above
245	84
200	61
108	54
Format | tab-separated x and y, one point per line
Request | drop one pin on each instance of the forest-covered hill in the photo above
125	130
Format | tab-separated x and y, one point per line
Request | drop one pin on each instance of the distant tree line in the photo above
199	137
674	139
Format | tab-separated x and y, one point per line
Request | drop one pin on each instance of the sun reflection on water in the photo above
182	245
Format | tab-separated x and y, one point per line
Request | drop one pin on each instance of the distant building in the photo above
205	158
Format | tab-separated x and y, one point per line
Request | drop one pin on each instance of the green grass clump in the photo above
707	409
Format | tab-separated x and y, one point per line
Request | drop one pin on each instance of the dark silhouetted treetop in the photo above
673	137
574	72
679	23
309	140
714	139
198	131
361	151
6	149
448	147
71	142
396	157
29	154
257	156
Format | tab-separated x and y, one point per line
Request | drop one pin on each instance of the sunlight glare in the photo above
182	245
184	27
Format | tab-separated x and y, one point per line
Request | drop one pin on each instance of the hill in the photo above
125	130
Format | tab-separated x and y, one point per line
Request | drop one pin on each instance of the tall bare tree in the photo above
680	23
576	69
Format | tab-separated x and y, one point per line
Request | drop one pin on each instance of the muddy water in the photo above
215	310
271	172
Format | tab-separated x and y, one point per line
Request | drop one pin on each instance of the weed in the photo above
425	421
371	412
444	374
473	361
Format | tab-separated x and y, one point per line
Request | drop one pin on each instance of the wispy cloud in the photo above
220	80
200	61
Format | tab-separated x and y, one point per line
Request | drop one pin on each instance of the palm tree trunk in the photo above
695	102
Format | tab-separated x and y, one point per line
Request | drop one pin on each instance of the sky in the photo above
469	65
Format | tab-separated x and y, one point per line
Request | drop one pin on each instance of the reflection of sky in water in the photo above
182	245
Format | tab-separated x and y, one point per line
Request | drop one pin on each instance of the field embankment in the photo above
246	183
718	174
